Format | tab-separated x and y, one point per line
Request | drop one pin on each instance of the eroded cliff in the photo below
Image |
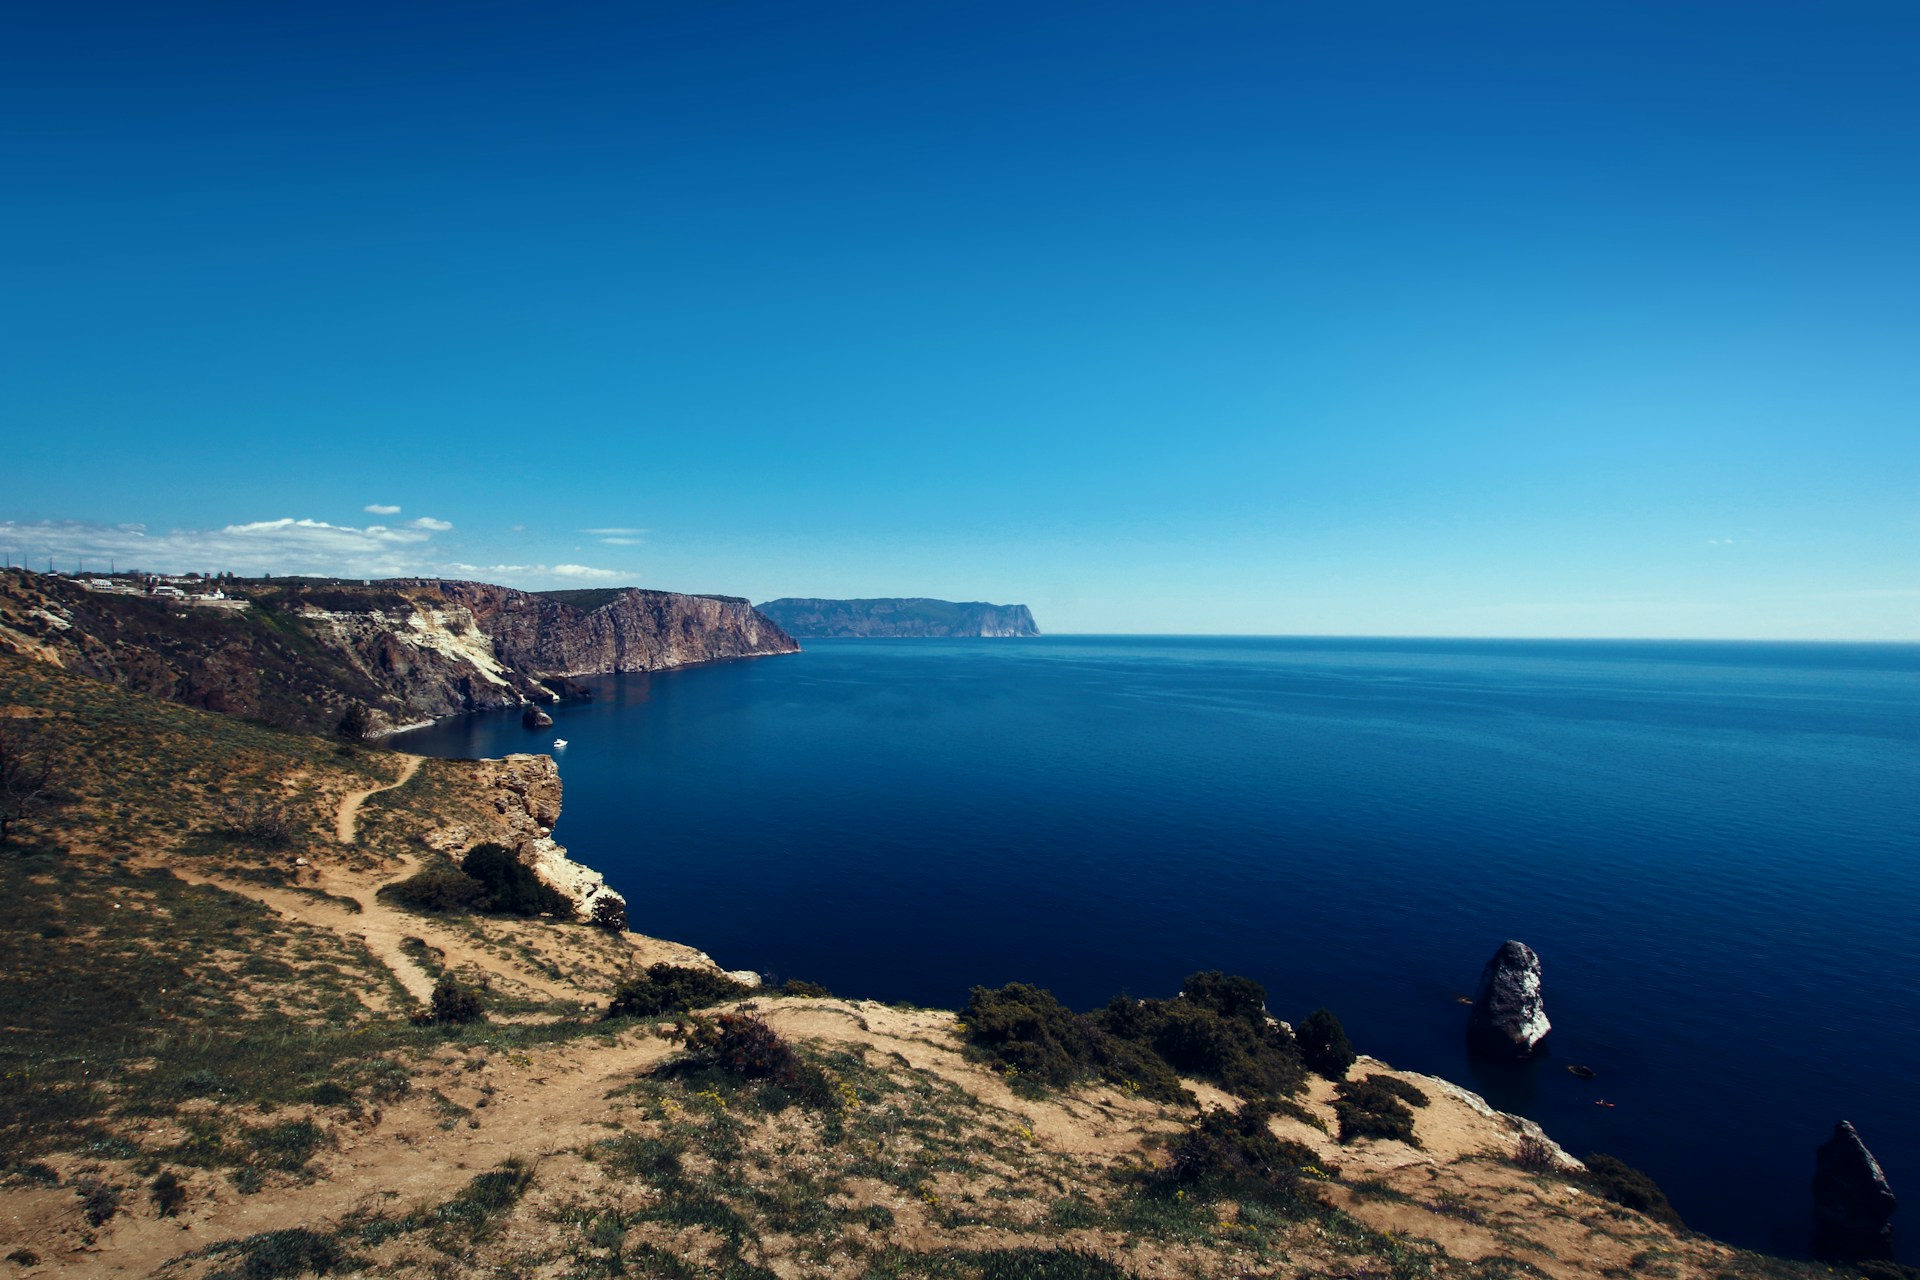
304	654
893	617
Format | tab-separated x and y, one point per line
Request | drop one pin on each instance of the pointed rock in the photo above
1852	1203
1509	1017
534	718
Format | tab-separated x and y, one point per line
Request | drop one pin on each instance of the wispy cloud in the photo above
283	546
614	533
621	542
380	509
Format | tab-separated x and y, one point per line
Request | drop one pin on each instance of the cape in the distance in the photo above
917	617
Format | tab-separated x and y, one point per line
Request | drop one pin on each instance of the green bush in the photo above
1625	1185
744	1047
454	1002
1034	1035
668	988
1377	1107
439	891
803	988
609	913
512	887
1224	1037
1228	996
275	1255
491	880
1324	1046
1230	1150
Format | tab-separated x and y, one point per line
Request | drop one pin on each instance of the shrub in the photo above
1034	1035
1376	1107
668	988
1324	1046
441	891
1232	1149
1534	1155
100	1201
1625	1185
453	1002
1230	997
355	723
491	879
261	819
803	988
272	1255
1241	1050
746	1048
609	913
167	1192
512	887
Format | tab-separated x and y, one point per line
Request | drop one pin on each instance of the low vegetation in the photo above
667	988
490	879
1377	1106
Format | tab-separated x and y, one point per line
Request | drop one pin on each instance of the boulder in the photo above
534	718
1852	1203
1509	1018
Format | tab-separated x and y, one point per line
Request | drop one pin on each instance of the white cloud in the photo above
429	523
614	533
280	547
380	509
621	542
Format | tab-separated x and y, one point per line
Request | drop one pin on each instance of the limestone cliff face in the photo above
300	654
524	793
633	630
918	617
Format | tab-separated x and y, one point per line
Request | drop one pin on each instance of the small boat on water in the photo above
558	743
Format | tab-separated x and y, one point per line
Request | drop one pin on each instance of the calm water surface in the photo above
1715	848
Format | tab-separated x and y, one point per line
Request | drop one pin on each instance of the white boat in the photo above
559	743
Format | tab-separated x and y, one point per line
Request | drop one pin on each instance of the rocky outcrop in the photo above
534	718
1852	1203
631	630
304	653
524	793
1509	1016
889	618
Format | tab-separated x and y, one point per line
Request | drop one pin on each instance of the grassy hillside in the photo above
219	1059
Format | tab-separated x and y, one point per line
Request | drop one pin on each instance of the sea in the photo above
1713	847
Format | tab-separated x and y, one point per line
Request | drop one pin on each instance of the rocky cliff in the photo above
632	630
917	617
302	654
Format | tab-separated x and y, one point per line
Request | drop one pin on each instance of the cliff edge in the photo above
899	617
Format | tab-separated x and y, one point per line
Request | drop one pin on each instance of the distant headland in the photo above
809	619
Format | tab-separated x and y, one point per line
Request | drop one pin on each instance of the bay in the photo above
1714	847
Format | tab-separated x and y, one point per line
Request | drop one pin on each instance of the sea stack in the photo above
534	718
1852	1203
1509	1017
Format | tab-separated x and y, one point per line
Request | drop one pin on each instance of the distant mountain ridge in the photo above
898	617
299	653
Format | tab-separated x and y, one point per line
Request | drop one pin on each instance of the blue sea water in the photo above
1715	848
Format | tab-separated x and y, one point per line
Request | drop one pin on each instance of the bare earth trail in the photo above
379	926
346	825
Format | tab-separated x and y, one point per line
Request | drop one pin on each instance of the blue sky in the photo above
1240	317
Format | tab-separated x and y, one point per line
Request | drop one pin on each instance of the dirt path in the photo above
346	825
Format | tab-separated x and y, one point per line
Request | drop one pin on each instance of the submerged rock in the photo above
1852	1203
535	718
1509	1017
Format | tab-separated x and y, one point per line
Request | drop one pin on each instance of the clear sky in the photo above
1524	319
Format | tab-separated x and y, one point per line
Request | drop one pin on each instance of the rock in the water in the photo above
535	718
1509	1018
1852	1203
